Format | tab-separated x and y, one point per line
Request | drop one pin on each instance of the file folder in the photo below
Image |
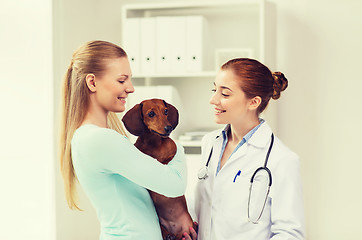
163	44
194	43
132	44
178	41
148	45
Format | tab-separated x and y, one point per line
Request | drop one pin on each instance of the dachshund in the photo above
153	121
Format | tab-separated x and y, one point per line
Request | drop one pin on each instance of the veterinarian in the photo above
226	207
114	174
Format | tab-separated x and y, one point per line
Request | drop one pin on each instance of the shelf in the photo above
175	5
231	28
250	17
205	74
190	143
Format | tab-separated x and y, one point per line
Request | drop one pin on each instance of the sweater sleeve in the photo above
110	152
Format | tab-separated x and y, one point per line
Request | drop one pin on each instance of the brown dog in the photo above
152	121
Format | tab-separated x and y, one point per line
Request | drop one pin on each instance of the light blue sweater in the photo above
116	175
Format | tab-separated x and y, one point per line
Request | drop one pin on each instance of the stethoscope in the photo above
204	173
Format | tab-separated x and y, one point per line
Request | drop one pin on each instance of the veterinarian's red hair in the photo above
257	80
89	58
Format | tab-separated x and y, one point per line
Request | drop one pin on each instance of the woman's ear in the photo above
254	103
91	82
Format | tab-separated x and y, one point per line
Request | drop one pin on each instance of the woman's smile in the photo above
122	99
219	111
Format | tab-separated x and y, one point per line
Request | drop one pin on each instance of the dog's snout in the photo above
168	129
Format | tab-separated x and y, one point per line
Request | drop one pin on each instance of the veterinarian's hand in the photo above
193	234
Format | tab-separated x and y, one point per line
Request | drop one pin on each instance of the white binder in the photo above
163	45
195	41
178	44
148	45
132	44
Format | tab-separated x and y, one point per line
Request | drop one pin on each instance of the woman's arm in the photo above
112	152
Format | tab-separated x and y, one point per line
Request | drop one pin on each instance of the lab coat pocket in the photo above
235	197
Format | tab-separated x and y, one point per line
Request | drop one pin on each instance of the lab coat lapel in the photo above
259	139
240	153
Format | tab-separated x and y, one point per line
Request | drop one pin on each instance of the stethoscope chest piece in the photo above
203	173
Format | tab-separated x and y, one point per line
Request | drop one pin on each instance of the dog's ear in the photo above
133	120
172	115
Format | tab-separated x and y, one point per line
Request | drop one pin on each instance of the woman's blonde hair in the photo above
89	58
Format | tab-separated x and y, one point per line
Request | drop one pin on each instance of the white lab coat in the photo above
221	205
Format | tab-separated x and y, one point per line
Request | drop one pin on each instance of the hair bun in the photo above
280	84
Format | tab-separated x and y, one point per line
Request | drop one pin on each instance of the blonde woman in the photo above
95	151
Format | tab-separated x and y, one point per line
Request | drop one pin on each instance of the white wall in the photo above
26	123
75	22
318	49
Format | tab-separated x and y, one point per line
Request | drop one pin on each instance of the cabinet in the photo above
233	27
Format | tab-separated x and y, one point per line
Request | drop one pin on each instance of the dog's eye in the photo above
151	114
166	111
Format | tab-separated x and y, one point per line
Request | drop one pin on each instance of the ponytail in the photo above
67	130
279	85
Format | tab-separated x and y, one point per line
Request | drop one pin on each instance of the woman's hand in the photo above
192	232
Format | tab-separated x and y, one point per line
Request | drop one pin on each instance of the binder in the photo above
178	44
195	41
163	45
132	43
148	45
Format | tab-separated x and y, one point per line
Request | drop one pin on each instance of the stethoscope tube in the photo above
265	164
255	221
204	171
